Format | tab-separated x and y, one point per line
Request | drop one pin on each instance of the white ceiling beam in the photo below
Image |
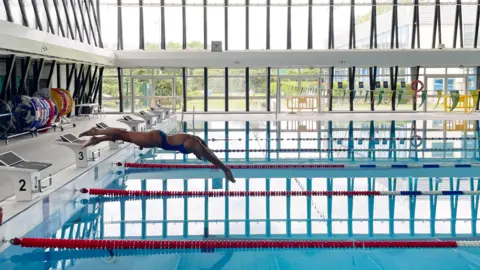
299	58
21	40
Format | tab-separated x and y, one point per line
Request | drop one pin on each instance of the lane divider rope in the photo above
354	139
221	193
236	244
296	150
295	166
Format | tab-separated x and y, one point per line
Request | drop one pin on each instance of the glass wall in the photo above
299	90
286	30
291	30
110	94
80	15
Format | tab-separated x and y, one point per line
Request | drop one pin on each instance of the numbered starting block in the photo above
134	124
112	145
24	174
150	118
162	113
82	155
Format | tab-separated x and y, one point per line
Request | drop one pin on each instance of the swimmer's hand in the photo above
230	177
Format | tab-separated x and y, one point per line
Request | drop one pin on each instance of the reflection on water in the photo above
264	217
291	217
336	141
362	217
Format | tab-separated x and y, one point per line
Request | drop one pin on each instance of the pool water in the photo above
333	217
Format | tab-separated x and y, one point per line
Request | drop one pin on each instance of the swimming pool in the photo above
283	217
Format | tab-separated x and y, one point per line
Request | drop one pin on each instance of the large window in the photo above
53	16
257	27
274	85
131	27
216	25
384	24
258	89
142	90
341	26
173	28
236	28
72	17
110	97
16	12
194	28
109	22
216	90
426	13
94	25
30	14
152	23
299	28
278	28
42	15
195	90
236	90
86	32
320	23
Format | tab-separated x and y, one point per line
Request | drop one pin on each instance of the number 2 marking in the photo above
23	182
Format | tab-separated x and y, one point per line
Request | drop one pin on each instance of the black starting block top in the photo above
128	118
10	159
70	138
102	125
144	113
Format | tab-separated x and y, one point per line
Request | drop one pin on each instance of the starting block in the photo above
24	174
81	154
162	113
112	145
134	124
150	118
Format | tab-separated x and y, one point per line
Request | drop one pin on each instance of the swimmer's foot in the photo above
92	141
91	132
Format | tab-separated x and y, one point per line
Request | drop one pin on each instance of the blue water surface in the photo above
332	218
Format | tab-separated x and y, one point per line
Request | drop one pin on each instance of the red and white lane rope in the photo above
221	193
162	166
235	244
231	166
413	138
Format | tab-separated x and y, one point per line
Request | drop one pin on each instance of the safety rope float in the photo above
221	193
315	150
235	244
162	166
350	139
231	166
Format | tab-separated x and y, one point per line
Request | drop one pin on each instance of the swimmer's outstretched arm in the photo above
202	151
